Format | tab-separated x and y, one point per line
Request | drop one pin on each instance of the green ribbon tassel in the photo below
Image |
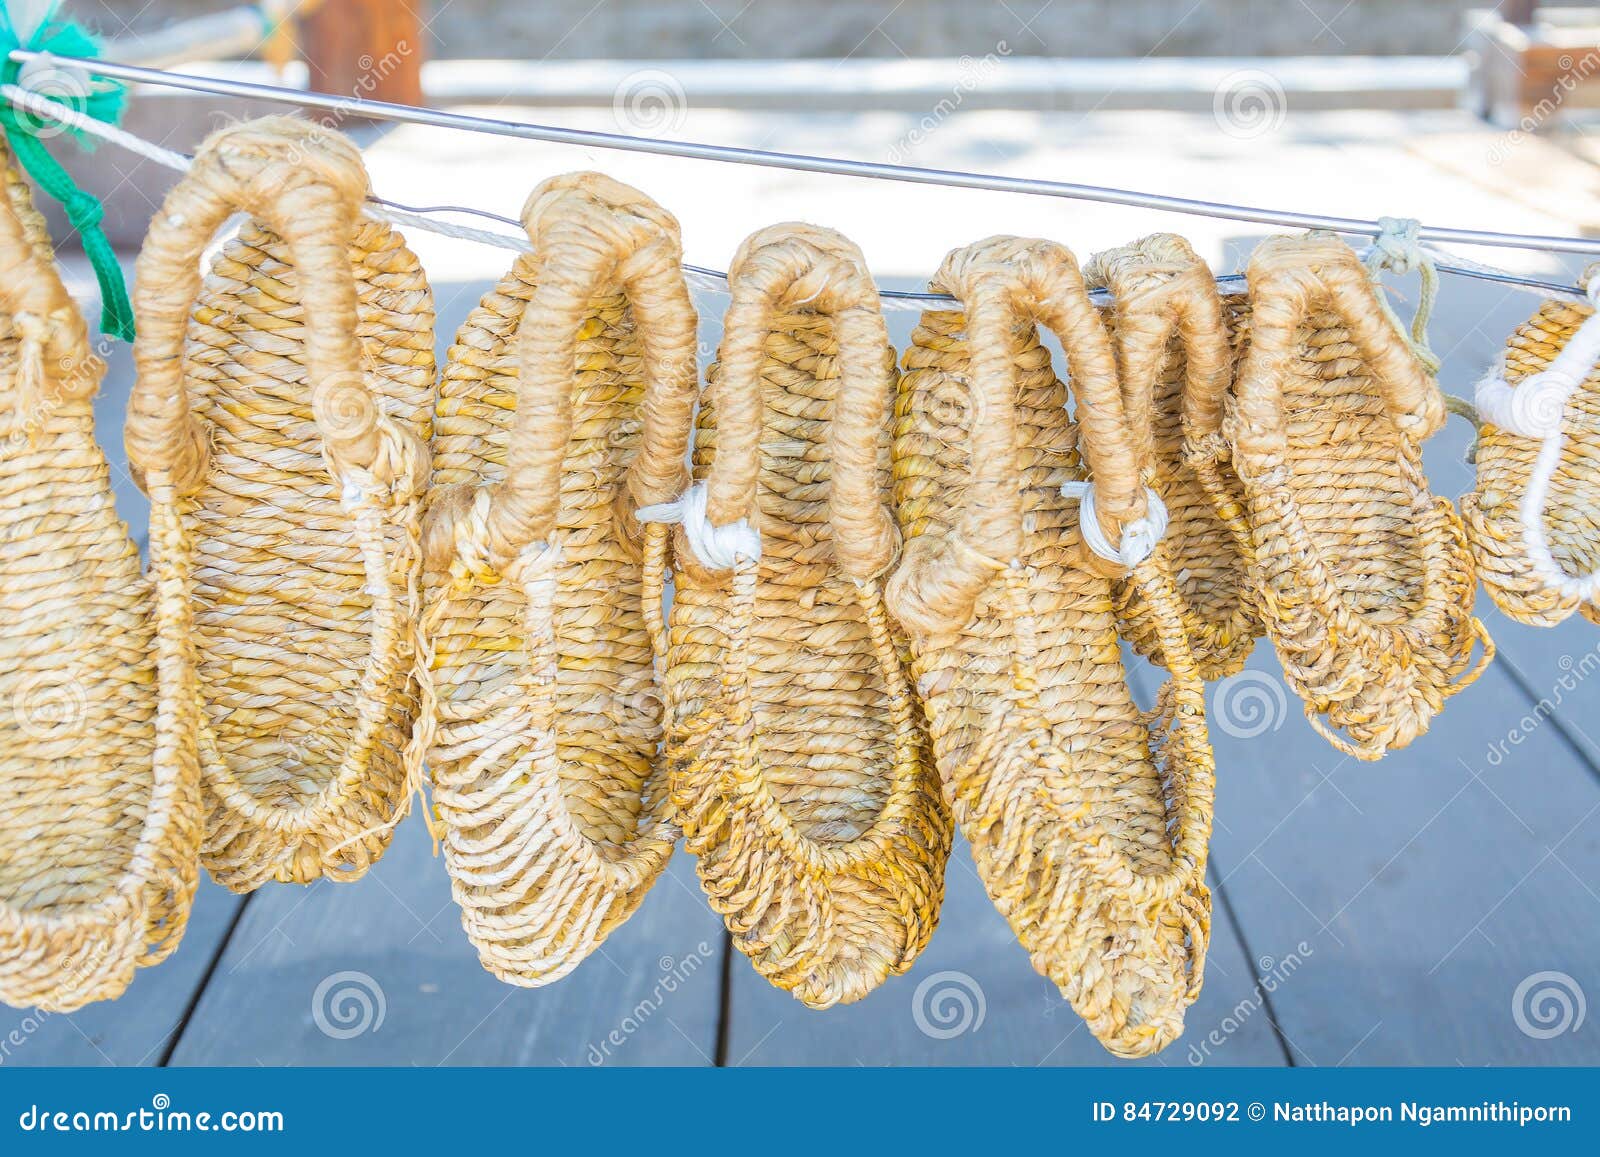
101	100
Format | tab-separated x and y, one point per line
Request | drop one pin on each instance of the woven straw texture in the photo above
1504	463
1089	820
800	766
1364	577
98	827
548	784
1175	361
279	425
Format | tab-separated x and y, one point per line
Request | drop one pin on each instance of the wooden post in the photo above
365	48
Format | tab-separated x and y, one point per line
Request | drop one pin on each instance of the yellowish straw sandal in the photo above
1363	576
278	424
1532	513
1089	820
565	405
1176	362
99	825
800	768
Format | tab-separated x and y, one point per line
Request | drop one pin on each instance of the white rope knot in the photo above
717	547
1139	537
1398	245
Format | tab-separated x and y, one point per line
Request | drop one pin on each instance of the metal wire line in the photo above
409	114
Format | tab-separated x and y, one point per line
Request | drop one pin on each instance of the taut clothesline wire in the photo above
416	216
838	166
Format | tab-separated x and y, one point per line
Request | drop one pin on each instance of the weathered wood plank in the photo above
137	1028
380	972
1426	889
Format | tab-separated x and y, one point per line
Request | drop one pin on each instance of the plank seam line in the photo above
204	983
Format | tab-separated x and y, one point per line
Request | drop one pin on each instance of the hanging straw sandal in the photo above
1531	516
565	405
1363	576
99	825
1175	361
1089	820
279	425
800	768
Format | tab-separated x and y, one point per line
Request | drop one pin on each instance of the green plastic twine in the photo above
103	101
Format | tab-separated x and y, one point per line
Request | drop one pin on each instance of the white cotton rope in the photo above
1139	537
717	547
1534	408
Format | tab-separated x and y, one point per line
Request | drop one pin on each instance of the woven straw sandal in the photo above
800	767
565	404
1176	362
282	446
1363	576
98	826
1089	820
1531	515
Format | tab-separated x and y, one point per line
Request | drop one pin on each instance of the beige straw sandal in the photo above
565	404
1088	819
800	768
1363	576
283	449
1176	362
1532	515
99	825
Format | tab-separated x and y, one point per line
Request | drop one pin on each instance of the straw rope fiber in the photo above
565	404
1505	461
1089	819
800	764
1363	576
279	425
1175	361
99	824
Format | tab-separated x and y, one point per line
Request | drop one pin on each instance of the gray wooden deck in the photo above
1381	913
